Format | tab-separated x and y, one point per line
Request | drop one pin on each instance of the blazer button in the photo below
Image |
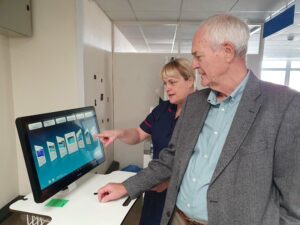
168	213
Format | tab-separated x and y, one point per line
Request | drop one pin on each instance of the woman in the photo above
178	78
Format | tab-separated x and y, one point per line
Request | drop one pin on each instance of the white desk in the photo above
83	207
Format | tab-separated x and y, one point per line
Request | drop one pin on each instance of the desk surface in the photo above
83	206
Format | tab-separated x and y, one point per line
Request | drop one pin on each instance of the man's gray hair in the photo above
227	28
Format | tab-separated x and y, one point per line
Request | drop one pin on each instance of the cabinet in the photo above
15	17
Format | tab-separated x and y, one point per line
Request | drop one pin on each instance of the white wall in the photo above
8	156
97	60
45	67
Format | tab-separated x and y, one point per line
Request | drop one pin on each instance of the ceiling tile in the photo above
162	32
139	42
130	31
251	17
207	5
187	15
161	48
156	5
114	5
121	15
259	5
187	31
157	15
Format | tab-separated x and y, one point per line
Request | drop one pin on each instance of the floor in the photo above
132	217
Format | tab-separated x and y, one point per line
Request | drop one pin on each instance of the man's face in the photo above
210	63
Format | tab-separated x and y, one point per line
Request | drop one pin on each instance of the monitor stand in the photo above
66	191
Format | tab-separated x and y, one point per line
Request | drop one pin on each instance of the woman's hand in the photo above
130	136
108	136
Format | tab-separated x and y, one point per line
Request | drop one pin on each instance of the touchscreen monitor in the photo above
58	148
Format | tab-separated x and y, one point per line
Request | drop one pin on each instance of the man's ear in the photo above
228	51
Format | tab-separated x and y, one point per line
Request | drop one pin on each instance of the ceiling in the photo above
167	26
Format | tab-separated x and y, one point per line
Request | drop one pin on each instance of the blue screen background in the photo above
55	170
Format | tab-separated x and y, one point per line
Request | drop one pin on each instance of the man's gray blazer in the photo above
257	177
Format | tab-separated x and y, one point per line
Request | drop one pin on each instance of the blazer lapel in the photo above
243	119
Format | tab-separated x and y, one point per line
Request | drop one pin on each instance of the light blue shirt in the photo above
192	198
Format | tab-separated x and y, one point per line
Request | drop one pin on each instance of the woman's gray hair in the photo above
227	28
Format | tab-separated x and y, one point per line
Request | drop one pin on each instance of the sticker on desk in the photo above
55	202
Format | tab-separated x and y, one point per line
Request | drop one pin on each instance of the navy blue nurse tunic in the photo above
159	124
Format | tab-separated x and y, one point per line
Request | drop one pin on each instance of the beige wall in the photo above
47	71
97	60
8	156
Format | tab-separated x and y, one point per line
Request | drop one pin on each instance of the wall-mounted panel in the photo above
15	17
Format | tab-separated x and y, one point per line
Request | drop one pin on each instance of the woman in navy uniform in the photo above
178	78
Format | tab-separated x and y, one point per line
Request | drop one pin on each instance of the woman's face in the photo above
177	88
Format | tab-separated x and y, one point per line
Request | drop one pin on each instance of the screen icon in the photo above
40	154
62	147
80	139
52	150
71	142
87	137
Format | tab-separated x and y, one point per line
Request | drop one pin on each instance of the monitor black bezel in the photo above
40	195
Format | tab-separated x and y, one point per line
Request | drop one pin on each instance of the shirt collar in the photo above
234	96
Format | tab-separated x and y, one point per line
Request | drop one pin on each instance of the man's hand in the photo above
111	191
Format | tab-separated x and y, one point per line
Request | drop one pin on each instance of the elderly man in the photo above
234	157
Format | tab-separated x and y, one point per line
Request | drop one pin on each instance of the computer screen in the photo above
58	148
